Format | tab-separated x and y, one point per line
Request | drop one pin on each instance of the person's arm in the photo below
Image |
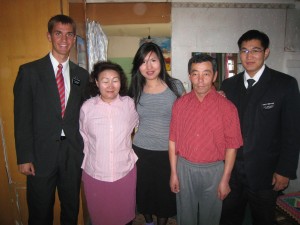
290	143
23	113
174	182
224	188
82	127
180	87
233	140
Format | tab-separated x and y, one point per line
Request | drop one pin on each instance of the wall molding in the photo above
232	5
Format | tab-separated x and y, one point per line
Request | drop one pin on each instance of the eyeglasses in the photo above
254	51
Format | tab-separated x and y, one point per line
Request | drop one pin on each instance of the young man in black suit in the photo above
48	94
268	103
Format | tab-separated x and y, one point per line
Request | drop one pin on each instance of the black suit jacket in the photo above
270	126
37	114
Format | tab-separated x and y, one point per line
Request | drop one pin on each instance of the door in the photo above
23	28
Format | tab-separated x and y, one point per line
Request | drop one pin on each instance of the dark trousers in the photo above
41	190
262	203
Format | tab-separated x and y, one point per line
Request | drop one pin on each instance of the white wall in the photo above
218	29
122	46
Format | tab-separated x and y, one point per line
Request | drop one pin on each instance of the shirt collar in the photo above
55	63
256	77
211	94
115	101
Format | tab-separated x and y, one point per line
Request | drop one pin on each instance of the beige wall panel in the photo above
77	12
5	203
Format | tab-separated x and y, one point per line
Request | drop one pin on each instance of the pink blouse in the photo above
106	130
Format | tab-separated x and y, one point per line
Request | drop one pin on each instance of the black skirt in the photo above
154	195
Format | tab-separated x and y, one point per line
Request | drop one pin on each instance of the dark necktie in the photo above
250	83
61	88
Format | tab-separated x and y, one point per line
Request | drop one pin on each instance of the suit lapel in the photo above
70	103
239	89
253	100
262	86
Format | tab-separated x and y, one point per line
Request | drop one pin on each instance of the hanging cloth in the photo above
97	43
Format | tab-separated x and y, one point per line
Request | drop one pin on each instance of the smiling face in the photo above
109	85
202	78
62	38
253	56
151	67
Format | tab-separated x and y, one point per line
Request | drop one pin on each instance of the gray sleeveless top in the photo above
154	119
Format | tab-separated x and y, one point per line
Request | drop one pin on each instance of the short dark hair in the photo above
199	58
99	67
255	34
60	18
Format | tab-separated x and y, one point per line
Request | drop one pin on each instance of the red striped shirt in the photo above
202	131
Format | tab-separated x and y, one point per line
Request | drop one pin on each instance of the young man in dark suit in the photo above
268	103
48	94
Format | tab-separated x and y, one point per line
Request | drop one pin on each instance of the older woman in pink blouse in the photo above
109	172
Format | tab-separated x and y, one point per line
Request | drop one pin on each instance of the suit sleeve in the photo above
224	86
23	117
87	86
290	123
